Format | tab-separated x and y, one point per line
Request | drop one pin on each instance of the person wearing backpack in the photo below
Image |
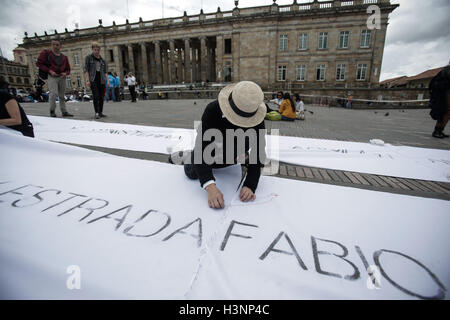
440	101
54	67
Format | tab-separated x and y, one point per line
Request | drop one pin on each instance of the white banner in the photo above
78	224
396	161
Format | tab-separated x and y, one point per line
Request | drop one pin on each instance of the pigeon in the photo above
376	112
387	114
195	102
311	112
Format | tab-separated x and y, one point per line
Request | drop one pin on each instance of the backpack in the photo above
273	116
43	74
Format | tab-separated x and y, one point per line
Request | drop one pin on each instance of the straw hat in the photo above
243	104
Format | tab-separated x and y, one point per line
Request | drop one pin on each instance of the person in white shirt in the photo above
278	100
131	82
300	107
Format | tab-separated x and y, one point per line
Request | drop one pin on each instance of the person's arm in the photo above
254	169
106	74
41	62
13	110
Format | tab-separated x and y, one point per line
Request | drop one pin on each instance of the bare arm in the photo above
13	109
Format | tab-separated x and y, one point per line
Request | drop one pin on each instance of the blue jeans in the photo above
108	91
287	119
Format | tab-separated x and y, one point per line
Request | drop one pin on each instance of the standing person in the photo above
38	84
299	106
96	78
350	101
287	108
240	108
57	66
11	113
110	94
440	101
117	86
131	82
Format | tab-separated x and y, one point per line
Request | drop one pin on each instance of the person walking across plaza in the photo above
96	78
110	93
440	101
56	65
117	87
131	82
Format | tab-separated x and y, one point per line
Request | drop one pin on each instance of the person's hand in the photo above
88	84
215	197
63	75
53	73
247	194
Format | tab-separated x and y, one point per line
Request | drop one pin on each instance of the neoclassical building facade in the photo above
316	44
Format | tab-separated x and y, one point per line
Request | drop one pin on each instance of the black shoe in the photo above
66	114
438	134
97	116
52	114
445	135
103	115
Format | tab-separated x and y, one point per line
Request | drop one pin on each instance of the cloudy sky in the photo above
418	34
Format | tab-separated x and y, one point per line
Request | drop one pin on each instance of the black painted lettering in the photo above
120	221
14	191
230	228
128	229
82	205
37	196
440	295
195	236
316	254
74	195
294	251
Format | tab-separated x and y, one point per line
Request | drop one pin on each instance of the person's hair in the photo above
109	73
56	40
287	96
95	45
297	96
280	92
115	74
3	83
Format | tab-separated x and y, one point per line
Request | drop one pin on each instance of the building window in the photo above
321	72
21	59
340	72
19	80
283	42
227	46
301	72
79	82
365	38
362	71
11	80
111	55
27	81
75	59
343	39
303	41
281	73
68	84
323	40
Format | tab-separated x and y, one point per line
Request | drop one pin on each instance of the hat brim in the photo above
234	118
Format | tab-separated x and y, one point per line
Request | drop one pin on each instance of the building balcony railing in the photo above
210	17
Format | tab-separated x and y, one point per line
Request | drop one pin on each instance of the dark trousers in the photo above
133	93
117	93
98	93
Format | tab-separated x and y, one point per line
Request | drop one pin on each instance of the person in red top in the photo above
58	68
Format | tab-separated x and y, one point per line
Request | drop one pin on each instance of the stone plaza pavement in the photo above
410	127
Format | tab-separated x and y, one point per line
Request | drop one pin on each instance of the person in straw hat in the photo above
239	109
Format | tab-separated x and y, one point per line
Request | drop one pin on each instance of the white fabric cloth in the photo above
74	218
131	81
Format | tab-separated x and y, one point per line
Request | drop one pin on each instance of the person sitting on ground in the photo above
287	108
240	108
11	113
299	106
277	101
440	101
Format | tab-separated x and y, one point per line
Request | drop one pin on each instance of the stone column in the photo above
166	74
152	75
187	61
144	63
180	65
172	61
158	62
118	60
194	64
131	60
219	59
204	58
